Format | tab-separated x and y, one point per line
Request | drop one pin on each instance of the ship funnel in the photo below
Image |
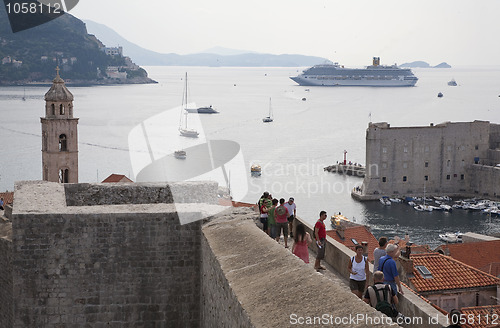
376	61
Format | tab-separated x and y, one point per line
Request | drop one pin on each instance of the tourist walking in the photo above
454	318
280	216
387	265
320	237
1	204
379	251
271	221
263	215
381	292
358	272
302	240
292	212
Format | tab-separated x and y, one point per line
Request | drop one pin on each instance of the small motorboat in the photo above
450	237
385	201
255	170
203	110
446	208
337	218
180	154
452	83
423	208
440	95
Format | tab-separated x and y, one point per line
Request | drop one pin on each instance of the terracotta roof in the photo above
228	202
477	254
447	273
116	178
484	313
8	197
360	233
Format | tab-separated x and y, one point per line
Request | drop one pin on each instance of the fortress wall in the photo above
484	181
219	305
253	276
398	158
119	270
106	258
6	283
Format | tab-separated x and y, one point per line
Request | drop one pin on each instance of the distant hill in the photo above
31	56
422	64
217	56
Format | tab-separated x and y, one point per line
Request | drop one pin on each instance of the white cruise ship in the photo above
375	75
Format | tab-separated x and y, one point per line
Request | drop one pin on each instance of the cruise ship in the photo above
375	75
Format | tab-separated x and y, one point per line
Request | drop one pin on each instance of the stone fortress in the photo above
455	159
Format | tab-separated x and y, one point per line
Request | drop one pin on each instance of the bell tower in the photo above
59	135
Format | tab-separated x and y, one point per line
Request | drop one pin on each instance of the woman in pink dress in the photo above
302	240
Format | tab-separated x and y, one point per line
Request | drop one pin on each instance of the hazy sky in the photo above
459	32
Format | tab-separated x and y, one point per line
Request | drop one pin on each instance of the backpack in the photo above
383	305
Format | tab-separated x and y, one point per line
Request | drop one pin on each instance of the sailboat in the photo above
270	117
185	131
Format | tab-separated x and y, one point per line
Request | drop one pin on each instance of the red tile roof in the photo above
358	232
448	273
478	254
8	197
228	202
116	178
425	299
481	316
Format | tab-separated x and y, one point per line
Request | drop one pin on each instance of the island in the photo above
423	64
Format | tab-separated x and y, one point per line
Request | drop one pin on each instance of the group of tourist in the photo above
278	219
382	295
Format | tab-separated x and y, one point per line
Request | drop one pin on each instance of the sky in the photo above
351	32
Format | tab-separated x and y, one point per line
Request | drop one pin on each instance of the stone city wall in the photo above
219	305
106	270
6	283
485	181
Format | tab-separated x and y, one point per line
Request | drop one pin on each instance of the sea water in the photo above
312	127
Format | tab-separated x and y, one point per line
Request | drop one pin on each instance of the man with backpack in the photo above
380	296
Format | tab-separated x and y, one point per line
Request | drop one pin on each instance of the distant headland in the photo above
422	64
213	57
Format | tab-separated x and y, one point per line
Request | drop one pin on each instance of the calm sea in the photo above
306	135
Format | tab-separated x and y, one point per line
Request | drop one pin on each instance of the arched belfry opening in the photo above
59	135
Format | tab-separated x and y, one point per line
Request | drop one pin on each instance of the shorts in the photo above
290	218
281	227
321	250
357	285
273	230
264	223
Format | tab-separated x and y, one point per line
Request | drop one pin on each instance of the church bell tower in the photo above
59	135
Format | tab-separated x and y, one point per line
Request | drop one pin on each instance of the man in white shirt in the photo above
292	212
